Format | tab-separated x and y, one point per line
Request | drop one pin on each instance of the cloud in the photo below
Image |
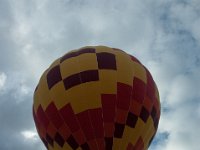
164	35
29	135
16	117
3	78
175	67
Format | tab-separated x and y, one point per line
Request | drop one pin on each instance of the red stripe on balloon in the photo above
69	117
54	115
86	125
124	93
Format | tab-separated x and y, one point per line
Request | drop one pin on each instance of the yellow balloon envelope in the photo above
96	98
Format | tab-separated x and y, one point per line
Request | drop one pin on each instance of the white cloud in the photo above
29	135
182	89
182	124
164	35
3	78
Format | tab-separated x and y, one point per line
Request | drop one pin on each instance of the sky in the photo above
163	34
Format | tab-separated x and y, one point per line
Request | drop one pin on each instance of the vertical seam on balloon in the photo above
115	118
116	80
88	109
147	134
152	127
149	129
50	95
140	129
72	109
131	90
77	60
131	98
129	103
99	87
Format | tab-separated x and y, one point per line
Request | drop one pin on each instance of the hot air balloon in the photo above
96	98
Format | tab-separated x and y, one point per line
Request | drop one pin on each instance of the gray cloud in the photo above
164	35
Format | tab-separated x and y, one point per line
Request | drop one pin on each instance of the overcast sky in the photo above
163	34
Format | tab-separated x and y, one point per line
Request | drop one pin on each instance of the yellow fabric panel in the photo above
131	135
148	137
139	71
56	146
84	96
137	132
59	95
87	61
50	147
78	64
69	67
116	143
148	131
128	131
66	146
125	71
107	79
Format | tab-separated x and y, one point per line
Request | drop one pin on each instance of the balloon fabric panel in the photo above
96	98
